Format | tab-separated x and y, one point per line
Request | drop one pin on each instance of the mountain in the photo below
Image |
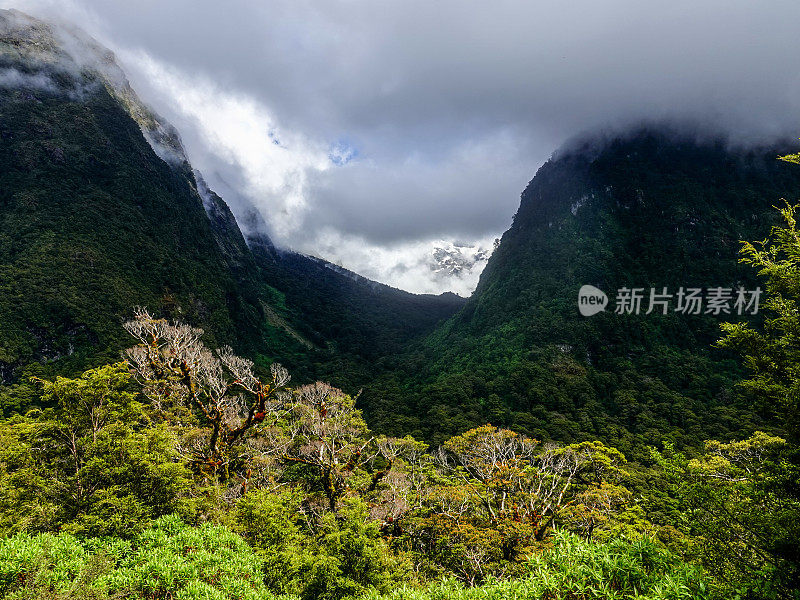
649	209
452	259
100	211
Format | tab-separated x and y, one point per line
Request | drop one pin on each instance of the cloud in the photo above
321	200
424	267
12	78
394	125
471	189
237	143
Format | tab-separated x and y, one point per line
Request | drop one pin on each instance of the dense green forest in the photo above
649	209
153	447
179	473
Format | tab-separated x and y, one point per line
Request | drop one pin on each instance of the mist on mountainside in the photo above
366	136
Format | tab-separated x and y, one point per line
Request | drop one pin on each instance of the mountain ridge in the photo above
647	210
94	221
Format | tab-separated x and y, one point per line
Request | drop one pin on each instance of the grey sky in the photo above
405	122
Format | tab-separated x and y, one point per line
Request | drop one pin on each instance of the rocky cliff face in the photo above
76	63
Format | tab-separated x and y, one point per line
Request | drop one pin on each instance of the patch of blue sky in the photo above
342	152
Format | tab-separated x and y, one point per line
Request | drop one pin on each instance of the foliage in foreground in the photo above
287	492
174	561
576	569
169	560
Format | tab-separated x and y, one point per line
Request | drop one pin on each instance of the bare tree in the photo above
329	435
495	463
178	373
554	473
513	476
400	474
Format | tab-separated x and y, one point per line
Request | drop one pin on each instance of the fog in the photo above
369	132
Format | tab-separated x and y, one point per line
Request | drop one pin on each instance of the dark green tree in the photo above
772	352
91	463
745	496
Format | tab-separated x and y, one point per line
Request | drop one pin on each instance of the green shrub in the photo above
50	567
574	569
268	522
351	558
170	560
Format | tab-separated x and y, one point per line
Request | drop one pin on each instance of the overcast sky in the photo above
369	131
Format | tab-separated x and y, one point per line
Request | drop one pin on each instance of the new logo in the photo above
591	300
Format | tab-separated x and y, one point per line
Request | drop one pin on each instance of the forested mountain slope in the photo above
100	212
650	209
